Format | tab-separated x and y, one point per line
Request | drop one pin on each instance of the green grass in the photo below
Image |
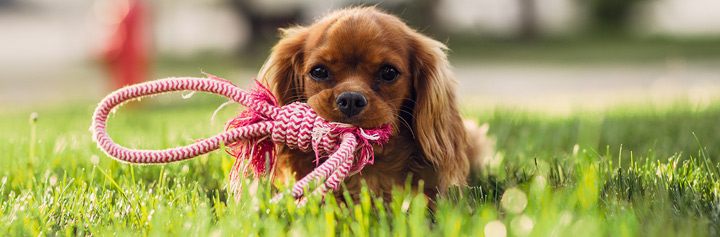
625	171
590	49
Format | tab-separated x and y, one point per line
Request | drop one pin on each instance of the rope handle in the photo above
289	125
220	87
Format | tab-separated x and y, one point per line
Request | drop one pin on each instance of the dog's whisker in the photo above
405	122
409	113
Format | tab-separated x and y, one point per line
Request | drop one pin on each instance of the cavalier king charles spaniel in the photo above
364	67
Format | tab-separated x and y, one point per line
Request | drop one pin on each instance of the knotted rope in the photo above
253	134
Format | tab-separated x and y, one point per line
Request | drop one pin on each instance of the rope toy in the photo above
252	136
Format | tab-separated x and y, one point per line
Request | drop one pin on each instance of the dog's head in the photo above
367	68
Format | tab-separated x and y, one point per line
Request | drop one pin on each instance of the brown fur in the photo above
429	139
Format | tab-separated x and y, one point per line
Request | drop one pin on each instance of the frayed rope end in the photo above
259	151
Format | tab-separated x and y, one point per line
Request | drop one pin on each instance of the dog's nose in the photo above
351	103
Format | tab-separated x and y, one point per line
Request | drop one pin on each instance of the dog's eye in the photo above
388	73
319	73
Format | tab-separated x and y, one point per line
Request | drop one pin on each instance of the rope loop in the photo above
252	135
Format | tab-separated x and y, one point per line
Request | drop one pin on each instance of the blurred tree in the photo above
419	14
611	16
263	25
265	17
528	19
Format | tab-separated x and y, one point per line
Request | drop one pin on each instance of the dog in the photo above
365	67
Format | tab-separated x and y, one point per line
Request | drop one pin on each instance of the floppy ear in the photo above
438	125
283	68
283	72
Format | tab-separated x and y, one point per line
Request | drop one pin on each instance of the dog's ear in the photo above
437	125
283	69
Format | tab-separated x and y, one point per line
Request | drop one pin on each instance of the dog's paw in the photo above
481	147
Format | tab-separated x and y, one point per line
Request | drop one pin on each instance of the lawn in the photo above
587	50
634	170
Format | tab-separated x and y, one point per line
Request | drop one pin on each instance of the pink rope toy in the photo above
253	135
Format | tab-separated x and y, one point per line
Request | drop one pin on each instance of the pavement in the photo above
562	89
481	85
47	58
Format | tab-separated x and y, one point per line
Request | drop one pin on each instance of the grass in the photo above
640	170
588	49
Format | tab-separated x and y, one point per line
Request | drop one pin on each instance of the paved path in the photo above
526	86
563	88
46	51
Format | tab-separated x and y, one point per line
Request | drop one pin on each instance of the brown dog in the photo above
367	68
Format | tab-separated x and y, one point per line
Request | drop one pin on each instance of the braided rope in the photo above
295	125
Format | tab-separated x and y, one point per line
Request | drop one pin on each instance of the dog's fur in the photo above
429	139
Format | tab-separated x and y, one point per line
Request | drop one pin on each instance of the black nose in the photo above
351	103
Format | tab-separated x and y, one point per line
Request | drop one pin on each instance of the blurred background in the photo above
550	55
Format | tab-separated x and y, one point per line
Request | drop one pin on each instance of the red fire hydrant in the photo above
126	53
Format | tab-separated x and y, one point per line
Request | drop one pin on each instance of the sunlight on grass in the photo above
621	172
